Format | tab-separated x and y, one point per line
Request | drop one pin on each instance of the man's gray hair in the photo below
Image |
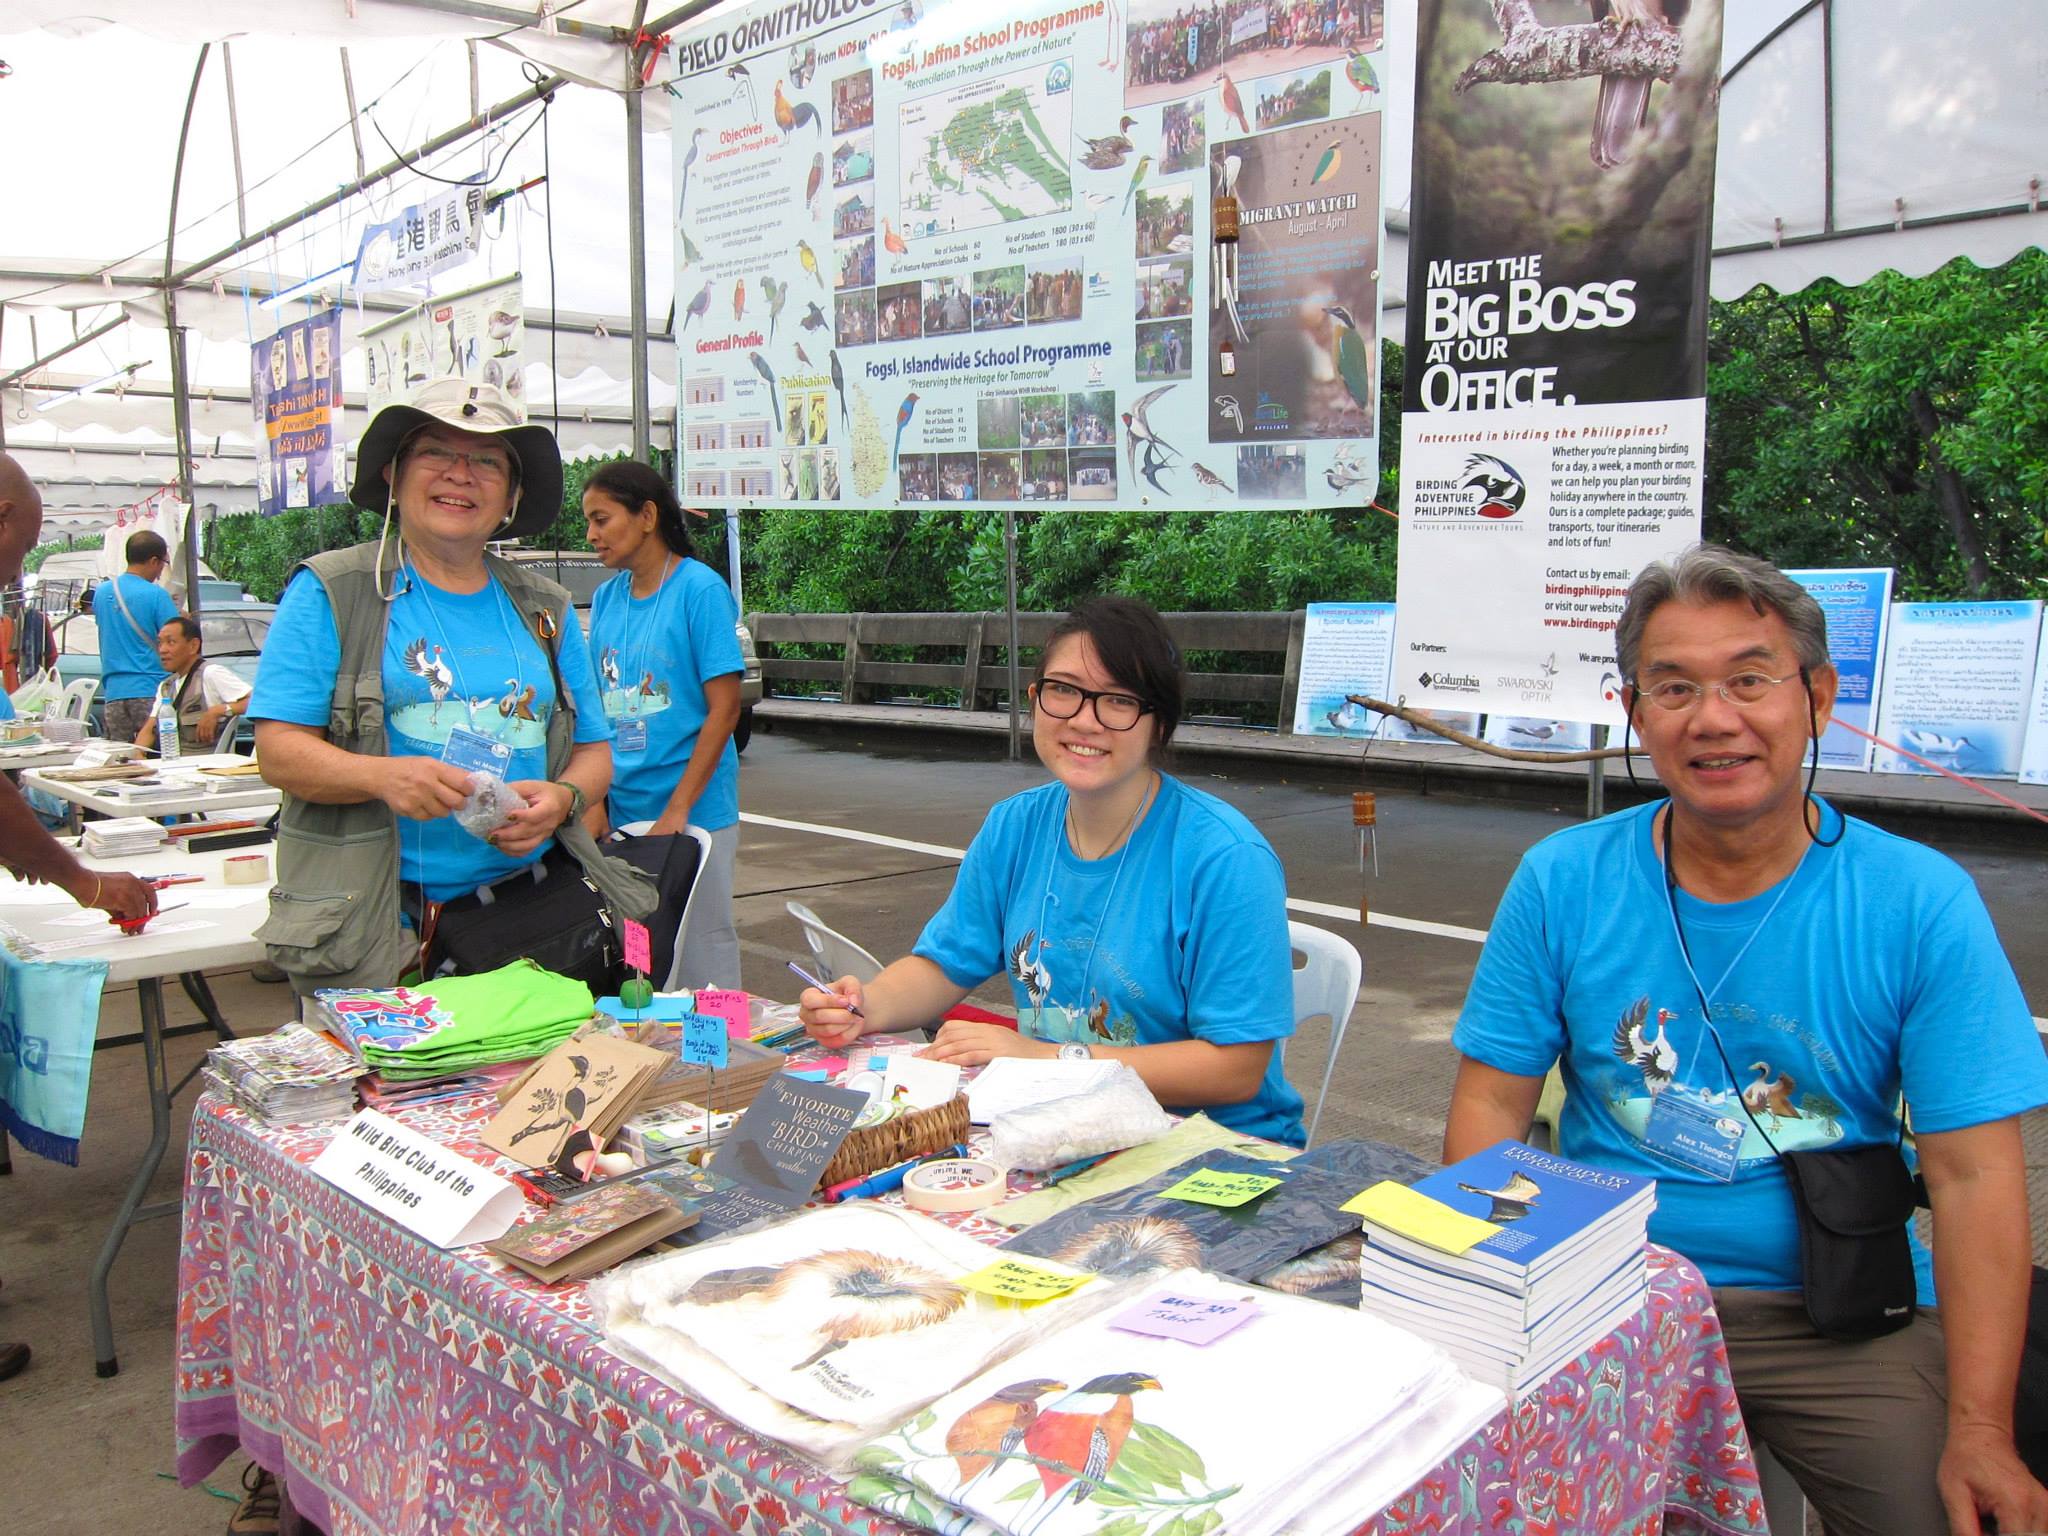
1709	573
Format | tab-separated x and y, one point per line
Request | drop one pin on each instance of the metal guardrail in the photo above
966	654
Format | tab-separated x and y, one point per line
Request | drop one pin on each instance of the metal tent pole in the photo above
181	394
636	239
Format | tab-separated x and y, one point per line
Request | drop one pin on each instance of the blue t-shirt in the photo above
1181	935
6	706
1878	971
128	664
451	659
654	656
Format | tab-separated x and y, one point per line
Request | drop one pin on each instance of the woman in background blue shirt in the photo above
664	631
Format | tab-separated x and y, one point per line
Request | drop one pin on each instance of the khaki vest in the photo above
334	912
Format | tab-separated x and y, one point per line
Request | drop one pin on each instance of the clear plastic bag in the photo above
489	806
1116	1113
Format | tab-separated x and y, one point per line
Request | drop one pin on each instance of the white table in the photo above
231	913
250	794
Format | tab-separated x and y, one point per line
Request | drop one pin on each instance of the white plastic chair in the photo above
837	954
703	840
75	702
1325	984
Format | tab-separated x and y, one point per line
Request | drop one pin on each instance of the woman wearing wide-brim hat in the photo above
394	669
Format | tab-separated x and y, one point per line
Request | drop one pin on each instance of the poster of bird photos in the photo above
1553	432
478	334
1957	683
295	390
949	250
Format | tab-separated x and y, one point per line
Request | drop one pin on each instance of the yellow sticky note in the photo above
1208	1186
1015	1280
1400	1209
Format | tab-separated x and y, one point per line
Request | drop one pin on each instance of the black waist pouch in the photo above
1856	1263
558	921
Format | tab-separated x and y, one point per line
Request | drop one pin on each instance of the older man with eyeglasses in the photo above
1740	984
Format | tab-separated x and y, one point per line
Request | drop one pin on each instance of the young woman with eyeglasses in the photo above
1138	919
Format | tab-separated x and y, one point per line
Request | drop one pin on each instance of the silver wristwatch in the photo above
1074	1050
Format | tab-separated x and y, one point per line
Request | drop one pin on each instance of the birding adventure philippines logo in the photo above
1485	490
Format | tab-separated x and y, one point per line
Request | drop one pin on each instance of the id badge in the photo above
1706	1138
629	734
476	752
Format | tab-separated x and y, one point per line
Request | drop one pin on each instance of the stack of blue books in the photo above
1565	1268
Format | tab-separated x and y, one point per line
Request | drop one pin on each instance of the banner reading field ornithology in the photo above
295	383
477	334
946	250
1554	424
1957	682
1856	604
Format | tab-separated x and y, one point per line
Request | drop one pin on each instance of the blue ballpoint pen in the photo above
807	976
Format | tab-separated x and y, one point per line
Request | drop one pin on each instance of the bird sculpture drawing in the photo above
1109	151
1651	1052
1209	477
1076	1440
1771	1095
1137	175
1354	364
903	415
1623	105
778	295
790	117
768	374
1133	1245
574	1101
814	317
698	307
422	662
739	298
839	384
683	180
1513	1200
836	1297
1233	104
892	242
808	258
990	1432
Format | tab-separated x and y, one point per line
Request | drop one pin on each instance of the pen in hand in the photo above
822	987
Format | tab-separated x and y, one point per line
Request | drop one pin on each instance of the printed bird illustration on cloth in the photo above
1133	1245
1078	1438
990	1432
836	1296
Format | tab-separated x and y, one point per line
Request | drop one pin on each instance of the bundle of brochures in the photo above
1514	1261
286	1077
121	837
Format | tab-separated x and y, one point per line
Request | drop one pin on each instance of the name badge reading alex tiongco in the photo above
1684	1128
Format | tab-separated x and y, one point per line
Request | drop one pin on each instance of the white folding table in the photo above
234	795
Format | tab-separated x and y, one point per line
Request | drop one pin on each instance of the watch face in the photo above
1075	1052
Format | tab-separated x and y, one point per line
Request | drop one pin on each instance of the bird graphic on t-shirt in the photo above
1512	1201
1027	970
1653	1054
439	675
1771	1094
515	703
608	667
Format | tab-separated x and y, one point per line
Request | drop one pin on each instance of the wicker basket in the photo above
919	1133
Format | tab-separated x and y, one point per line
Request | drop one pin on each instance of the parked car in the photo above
232	635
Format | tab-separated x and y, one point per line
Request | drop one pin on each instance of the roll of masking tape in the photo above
954	1184
246	869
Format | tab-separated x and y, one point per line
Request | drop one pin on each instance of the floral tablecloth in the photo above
404	1390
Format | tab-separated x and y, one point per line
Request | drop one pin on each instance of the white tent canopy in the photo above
1887	134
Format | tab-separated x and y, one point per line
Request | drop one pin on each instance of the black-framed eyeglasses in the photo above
1742	690
1114	711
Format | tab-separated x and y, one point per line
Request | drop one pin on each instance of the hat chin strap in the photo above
377	569
512	515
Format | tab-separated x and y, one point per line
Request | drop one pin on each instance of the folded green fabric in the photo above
510	1014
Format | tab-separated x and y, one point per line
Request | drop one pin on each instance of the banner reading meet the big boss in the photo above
965	251
1554	422
295	385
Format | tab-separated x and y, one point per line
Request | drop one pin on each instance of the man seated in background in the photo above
1743	926
203	694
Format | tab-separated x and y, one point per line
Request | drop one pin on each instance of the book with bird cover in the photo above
1548	1209
585	1086
581	1238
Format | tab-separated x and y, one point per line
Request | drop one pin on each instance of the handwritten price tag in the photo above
639	952
728	1005
704	1040
1192	1319
1014	1280
1207	1186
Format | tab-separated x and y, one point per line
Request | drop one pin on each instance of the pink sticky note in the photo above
730	1006
639	952
1191	1319
830	1065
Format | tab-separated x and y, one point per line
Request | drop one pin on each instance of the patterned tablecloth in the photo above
404	1390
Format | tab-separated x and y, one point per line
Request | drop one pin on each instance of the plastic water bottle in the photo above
166	728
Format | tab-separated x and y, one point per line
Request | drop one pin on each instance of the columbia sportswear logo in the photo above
1450	683
1896	1311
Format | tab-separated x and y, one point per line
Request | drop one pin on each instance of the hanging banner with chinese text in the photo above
1554	424
421	241
295	382
957	252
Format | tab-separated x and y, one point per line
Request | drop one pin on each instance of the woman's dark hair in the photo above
631	483
1134	647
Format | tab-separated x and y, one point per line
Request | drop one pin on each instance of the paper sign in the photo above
1015	1280
415	1181
1400	1209
1207	1186
1191	1319
728	1005
925	1084
705	1041
639	950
